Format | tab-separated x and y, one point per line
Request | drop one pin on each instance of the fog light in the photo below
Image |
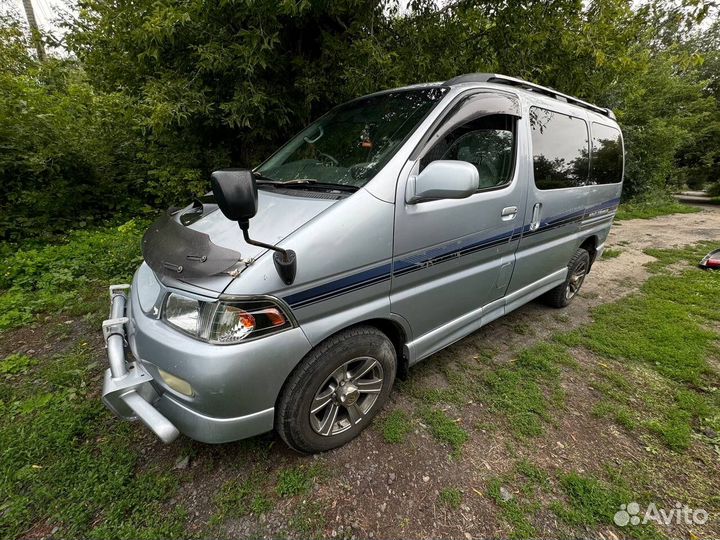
176	383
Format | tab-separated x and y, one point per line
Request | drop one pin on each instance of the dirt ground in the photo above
372	489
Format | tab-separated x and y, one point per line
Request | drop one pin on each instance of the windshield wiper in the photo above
315	184
264	179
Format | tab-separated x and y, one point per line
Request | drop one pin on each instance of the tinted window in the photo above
487	142
560	149
606	163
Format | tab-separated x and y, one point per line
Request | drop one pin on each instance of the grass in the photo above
239	498
68	464
296	480
451	498
659	342
445	429
652	209
67	277
611	253
524	392
514	511
395	427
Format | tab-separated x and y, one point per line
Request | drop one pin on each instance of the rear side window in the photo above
561	148
606	163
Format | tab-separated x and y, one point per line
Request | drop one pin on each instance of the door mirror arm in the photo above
236	194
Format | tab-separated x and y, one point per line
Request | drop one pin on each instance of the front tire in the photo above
336	390
563	294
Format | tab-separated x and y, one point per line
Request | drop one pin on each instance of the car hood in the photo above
278	216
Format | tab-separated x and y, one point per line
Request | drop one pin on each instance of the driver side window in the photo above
487	142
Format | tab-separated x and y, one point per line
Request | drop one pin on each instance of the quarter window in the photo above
487	142
560	149
606	160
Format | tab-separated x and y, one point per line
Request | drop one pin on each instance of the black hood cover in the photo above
174	250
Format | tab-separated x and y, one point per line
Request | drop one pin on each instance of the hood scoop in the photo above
171	249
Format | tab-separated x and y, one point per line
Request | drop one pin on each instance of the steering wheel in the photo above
333	162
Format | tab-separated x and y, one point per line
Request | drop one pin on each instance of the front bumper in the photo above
127	390
235	386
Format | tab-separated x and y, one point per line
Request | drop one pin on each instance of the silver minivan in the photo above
292	296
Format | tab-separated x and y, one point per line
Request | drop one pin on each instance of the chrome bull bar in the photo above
126	389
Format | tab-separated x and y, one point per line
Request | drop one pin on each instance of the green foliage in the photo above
451	497
56	470
445	429
66	276
652	208
395	427
520	392
611	253
239	498
160	93
67	151
296	480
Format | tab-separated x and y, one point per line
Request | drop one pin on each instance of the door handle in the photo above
508	213
535	222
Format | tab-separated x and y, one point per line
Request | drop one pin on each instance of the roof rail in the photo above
532	87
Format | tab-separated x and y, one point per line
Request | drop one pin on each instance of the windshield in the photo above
352	142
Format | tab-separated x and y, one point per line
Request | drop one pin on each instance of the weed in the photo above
15	364
611	253
56	469
651	210
241	498
296	480
451	497
395	427
80	267
444	429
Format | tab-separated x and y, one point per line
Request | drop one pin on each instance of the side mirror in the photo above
443	179
235	193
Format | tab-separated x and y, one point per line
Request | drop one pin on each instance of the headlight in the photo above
225	322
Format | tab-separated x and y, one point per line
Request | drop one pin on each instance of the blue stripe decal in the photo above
434	255
345	284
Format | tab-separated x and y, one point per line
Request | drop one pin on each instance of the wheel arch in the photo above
590	245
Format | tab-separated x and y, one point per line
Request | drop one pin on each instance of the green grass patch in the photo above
67	277
653	209
395	427
658	343
451	498
516	512
296	480
525	391
239	498
57	469
611	253
591	501
445	429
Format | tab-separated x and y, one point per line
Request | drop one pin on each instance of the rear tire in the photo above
336	390
563	294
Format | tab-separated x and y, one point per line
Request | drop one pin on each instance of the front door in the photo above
451	257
